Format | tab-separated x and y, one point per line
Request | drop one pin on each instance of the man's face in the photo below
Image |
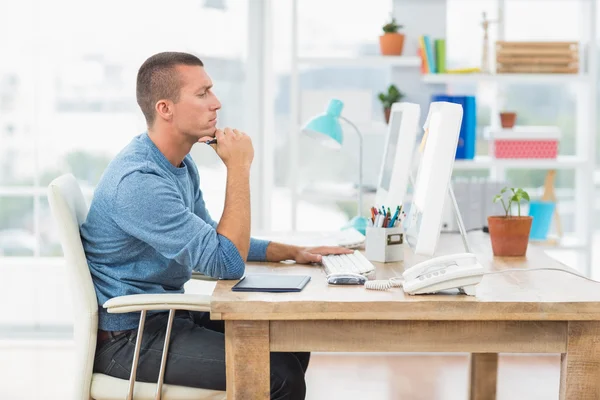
195	114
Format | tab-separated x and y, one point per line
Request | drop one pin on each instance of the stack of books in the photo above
433	57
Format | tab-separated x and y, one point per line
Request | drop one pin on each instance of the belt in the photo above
105	336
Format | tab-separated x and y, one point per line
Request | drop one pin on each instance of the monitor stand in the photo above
463	231
459	220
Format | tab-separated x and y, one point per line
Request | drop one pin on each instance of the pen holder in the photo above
384	244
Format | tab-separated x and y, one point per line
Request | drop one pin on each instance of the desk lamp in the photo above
326	129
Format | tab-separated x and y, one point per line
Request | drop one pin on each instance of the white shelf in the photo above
505	78
363	61
484	162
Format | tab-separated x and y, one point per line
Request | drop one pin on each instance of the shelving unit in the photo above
582	162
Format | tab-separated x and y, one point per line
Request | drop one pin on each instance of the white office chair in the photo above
70	210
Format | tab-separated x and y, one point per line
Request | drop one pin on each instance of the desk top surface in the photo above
518	295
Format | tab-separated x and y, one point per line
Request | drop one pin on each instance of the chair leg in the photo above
136	354
163	361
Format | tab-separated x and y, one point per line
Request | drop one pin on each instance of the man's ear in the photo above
164	109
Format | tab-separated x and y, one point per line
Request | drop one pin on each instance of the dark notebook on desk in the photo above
271	283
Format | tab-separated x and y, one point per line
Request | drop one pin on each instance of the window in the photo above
67	96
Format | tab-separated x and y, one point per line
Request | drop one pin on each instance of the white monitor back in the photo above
423	223
398	153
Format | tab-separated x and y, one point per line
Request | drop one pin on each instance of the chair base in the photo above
106	387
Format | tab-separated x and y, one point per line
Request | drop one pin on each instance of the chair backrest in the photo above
69	210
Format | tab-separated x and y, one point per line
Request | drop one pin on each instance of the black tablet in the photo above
271	283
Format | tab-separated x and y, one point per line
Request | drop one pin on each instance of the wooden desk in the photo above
513	312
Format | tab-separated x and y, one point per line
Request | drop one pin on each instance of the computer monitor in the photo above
423	223
399	145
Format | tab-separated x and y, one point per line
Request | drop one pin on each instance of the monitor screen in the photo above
424	214
390	153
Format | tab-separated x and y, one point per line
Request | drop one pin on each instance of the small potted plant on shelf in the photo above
391	42
509	233
508	119
392	96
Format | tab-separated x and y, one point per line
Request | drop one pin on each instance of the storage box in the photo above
384	244
524	142
537	57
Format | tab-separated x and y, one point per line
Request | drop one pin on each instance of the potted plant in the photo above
510	234
391	42
392	96
508	119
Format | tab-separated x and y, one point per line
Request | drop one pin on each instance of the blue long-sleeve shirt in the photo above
148	228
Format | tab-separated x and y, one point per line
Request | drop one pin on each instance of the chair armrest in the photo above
139	302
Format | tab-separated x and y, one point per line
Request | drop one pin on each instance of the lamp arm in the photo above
360	165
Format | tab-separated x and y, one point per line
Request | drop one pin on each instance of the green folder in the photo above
440	55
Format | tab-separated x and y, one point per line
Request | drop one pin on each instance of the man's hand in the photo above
233	147
309	255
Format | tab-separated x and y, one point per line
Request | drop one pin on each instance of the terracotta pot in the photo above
386	112
508	119
509	235
391	44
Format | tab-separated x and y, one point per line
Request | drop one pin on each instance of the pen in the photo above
393	221
211	141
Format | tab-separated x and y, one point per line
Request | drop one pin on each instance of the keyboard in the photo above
356	263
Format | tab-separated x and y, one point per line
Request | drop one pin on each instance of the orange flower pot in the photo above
509	235
508	119
391	44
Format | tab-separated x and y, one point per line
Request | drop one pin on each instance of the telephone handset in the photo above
459	271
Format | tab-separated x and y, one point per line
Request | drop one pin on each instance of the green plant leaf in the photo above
497	198
504	190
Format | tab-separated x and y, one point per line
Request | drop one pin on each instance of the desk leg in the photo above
484	373
580	366
247	360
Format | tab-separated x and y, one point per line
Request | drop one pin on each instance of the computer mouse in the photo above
346	278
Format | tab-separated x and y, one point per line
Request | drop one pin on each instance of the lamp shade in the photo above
326	127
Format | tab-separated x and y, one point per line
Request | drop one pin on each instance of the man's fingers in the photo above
229	132
220	135
314	258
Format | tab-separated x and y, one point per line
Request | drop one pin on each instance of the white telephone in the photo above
459	271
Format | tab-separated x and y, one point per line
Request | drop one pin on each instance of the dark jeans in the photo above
196	356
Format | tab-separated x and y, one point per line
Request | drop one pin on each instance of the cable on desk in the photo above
398	281
541	269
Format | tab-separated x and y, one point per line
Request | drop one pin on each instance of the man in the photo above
148	228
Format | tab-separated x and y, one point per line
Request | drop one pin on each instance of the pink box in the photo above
525	142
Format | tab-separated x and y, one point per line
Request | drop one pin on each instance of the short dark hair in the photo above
157	79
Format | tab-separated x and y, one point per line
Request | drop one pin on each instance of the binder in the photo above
468	128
